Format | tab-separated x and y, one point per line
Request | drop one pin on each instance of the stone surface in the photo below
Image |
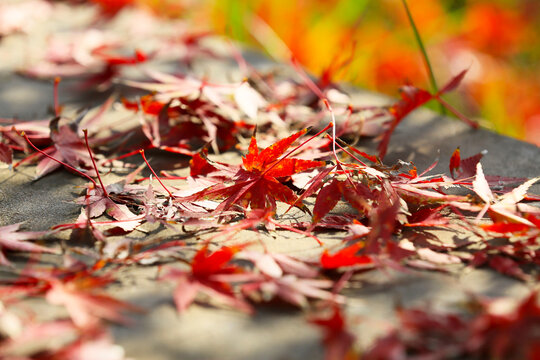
273	333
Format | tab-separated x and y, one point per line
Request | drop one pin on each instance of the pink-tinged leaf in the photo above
264	262
276	265
518	194
98	204
212	274
298	290
85	305
84	223
327	199
504	210
356	231
507	210
507	266
70	148
225	298
47	165
6	154
57	339
119	211
249	100
295	266
95	343
185	293
423	196
12	239
454	82
43	336
437	258
481	186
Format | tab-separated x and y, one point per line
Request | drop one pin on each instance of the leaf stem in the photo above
153	172
123	156
31	156
23	134
85	131
350	154
317	91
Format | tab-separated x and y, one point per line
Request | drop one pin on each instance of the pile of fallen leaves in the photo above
385	217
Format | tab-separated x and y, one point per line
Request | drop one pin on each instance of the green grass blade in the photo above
427	63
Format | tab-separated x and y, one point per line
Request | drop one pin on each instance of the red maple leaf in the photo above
100	201
184	127
357	195
422	335
348	256
505	207
37	130
210	274
455	161
256	184
488	334
53	339
78	288
338	340
290	279
85	303
464	168
67	147
411	99
511	335
112	66
110	8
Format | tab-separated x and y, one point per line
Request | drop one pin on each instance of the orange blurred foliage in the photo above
497	40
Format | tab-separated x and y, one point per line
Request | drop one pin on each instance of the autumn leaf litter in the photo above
244	165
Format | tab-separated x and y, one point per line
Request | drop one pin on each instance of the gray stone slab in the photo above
272	333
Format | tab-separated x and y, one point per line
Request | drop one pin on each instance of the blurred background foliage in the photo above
371	44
